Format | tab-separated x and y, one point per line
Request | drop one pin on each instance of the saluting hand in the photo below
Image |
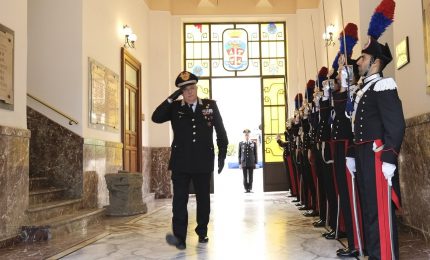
175	95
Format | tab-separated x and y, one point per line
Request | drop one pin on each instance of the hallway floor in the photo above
243	226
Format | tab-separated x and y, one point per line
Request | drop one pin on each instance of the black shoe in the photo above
331	235
319	223
203	239
303	208
291	196
296	200
311	213
347	252
175	241
298	204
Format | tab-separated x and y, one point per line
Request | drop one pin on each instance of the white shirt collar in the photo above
371	77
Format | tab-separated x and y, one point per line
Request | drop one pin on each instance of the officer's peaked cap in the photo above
185	79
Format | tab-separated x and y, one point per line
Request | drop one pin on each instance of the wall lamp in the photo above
328	35
130	37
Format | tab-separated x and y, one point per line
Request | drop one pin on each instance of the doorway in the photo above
131	112
239	102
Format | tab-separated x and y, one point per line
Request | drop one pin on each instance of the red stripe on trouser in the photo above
357	204
382	197
293	181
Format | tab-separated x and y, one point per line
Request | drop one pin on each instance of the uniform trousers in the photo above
321	193
248	173
367	182
341	178
327	173
181	186
308	182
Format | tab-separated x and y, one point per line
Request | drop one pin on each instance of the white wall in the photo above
54	58
103	21
13	14
161	84
411	79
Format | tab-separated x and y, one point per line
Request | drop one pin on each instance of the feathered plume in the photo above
298	100
381	19
335	64
322	75
310	86
351	39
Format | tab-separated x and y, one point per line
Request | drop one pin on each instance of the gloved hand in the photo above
388	170
326	92
220	163
344	77
175	95
350	164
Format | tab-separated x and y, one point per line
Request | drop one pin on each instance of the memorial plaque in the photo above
6	67
104	97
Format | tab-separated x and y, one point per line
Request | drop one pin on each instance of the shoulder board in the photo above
385	84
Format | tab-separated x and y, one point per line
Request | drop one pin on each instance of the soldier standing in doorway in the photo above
247	159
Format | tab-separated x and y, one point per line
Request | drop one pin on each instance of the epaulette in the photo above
385	84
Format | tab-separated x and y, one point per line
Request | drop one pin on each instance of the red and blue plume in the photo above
298	100
322	75
351	38
335	64
381	19
310	86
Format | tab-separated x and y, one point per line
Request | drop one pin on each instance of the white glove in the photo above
350	164
388	171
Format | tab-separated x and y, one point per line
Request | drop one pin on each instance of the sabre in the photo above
337	217
390	221
357	228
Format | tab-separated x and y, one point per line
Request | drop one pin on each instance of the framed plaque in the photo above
6	68
104	97
402	53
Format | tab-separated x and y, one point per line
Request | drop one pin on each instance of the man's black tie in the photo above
191	107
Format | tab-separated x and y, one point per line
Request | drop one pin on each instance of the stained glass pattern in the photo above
274	116
203	88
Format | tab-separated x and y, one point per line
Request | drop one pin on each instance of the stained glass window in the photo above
227	50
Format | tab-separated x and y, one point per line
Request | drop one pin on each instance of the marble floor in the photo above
254	225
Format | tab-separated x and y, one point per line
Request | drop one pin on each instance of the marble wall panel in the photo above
55	152
14	180
89	197
414	165
101	157
146	171
160	180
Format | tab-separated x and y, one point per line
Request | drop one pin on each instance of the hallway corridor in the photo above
247	226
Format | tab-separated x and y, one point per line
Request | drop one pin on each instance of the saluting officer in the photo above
379	128
247	159
192	155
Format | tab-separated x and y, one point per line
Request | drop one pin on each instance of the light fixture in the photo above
328	35
130	37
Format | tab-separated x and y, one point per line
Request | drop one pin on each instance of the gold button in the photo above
193	119
194	126
194	133
194	140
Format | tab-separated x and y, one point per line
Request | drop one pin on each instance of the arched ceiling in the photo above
230	7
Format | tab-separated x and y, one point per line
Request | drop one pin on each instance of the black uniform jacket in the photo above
323	129
341	129
192	146
247	154
379	115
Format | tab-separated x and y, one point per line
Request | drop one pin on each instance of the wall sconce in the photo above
130	37
328	35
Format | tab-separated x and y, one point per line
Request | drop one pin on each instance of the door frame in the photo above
127	58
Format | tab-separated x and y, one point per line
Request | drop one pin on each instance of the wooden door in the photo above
131	112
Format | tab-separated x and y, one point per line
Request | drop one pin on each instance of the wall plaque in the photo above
6	67
104	97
